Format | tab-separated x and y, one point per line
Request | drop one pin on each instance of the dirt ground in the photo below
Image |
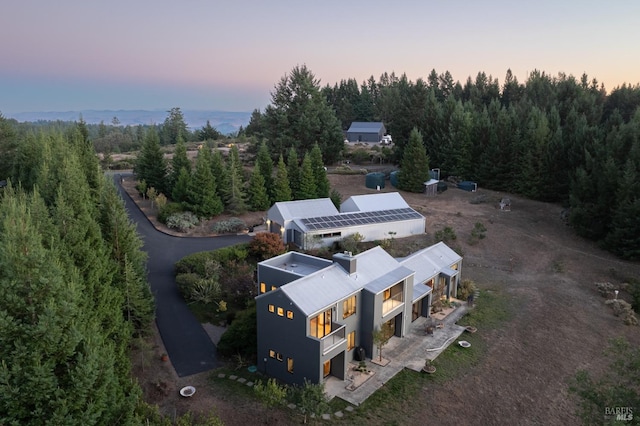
560	322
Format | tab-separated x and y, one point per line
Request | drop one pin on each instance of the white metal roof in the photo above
373	202
428	263
288	210
317	291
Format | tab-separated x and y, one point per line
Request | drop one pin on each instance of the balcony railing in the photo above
391	303
333	339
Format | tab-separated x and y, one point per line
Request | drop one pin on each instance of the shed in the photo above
366	131
431	188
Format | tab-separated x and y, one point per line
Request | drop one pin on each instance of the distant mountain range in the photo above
224	121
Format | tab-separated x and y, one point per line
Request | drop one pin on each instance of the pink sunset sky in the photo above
228	55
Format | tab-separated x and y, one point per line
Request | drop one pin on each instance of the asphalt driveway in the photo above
188	345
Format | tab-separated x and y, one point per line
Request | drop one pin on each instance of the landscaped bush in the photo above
447	234
266	245
233	225
182	222
241	337
466	289
167	210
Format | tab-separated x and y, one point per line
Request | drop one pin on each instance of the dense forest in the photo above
73	282
557	139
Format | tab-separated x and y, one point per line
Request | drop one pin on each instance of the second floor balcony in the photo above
333	339
391	303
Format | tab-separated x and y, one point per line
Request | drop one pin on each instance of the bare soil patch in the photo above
560	323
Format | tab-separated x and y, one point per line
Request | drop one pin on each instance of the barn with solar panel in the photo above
314	223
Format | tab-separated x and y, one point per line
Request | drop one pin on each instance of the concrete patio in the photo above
407	352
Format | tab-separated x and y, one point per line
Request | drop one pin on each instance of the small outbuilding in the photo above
312	223
431	188
360	131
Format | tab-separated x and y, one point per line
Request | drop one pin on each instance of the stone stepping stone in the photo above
233	377
242	380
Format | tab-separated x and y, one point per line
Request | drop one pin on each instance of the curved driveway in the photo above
188	345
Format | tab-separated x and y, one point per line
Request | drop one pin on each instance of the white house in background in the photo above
310	223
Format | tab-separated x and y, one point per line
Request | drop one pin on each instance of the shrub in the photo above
350	242
167	210
478	233
185	282
466	289
232	225
445	235
241	336
182	221
266	245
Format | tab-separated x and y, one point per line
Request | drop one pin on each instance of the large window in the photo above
320	325
349	307
263	288
351	340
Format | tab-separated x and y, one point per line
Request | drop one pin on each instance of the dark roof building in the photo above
366	131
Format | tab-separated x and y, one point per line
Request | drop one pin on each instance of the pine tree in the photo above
236	199
150	165
281	185
308	189
258	197
219	171
179	161
181	186
265	167
414	169
319	172
202	198
293	171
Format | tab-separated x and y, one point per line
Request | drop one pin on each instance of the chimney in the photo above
346	260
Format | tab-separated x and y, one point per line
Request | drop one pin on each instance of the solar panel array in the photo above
359	218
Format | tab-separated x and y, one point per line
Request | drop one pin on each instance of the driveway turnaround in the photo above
189	347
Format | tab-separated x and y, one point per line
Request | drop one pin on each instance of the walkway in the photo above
187	343
402	352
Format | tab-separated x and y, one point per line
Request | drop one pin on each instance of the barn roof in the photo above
365	127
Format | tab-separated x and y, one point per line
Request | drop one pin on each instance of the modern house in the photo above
310	223
365	132
313	313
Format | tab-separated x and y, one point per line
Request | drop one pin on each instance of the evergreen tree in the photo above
624	237
236	199
126	249
300	116
150	165
174	127
293	171
180	193
219	171
202	198
264	164
308	189
414	169
319	172
281	185
209	133
8	148
179	161
258	197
